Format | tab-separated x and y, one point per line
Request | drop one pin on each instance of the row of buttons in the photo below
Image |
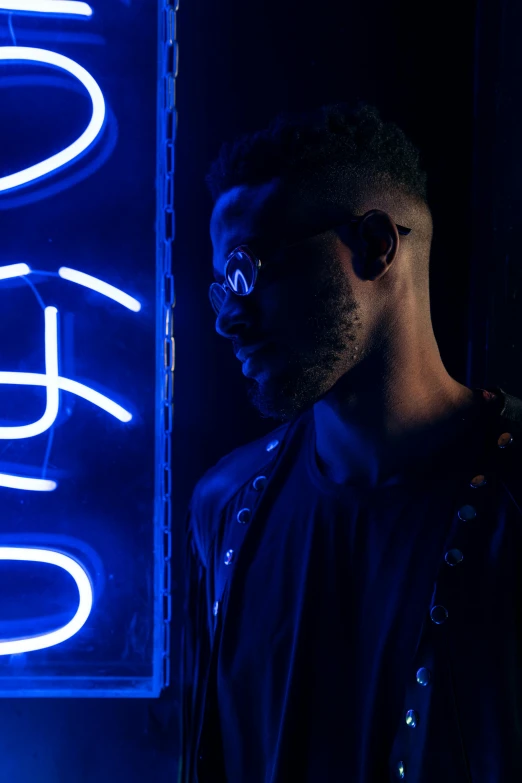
243	516
439	614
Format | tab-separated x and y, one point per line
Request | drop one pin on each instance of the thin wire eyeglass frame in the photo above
255	261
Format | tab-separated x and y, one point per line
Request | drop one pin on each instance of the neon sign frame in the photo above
54	383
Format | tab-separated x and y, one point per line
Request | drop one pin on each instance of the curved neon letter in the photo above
83	583
66	384
47	7
100	286
24	482
14	270
53	383
28	54
52	399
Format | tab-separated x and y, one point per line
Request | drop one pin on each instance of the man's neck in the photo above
370	458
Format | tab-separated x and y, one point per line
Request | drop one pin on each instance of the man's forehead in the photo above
249	207
268	210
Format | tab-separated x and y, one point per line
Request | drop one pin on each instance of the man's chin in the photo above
273	403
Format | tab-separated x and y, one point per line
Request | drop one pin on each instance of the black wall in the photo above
241	63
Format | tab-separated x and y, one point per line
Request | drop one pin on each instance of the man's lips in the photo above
247	350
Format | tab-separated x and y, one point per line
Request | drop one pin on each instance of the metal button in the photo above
243	516
423	676
478	481
505	439
272	445
215	608
467	513
259	483
439	614
400	770
412	718
229	556
453	557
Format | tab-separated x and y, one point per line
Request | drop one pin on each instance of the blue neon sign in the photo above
80	546
73	151
47	7
83	583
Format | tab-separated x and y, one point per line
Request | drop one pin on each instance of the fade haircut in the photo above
349	150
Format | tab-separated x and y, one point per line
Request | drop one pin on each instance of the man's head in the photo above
324	301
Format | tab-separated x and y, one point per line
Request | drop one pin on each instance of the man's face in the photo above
302	306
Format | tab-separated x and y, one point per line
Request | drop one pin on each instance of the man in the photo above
354	600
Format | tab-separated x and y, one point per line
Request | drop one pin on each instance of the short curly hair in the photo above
349	149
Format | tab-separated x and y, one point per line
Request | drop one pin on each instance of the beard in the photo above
323	348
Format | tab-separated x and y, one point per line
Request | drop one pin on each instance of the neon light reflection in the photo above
83	583
29	54
47	7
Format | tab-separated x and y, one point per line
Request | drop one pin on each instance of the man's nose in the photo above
233	316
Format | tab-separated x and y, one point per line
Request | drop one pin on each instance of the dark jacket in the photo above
415	674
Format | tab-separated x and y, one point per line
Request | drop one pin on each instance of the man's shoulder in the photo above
507	442
224	479
511	410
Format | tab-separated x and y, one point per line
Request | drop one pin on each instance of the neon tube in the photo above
28	54
14	270
83	583
65	384
109	406
53	382
47	7
52	400
23	482
100	286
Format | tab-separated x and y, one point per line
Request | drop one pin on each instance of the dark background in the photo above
242	63
450	80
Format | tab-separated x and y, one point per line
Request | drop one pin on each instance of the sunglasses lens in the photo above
217	297
240	272
240	278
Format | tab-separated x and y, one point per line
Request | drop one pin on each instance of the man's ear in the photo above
379	232
377	247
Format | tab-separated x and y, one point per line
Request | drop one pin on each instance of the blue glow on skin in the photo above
53	383
98	285
47	7
22	482
13	270
65	156
83	583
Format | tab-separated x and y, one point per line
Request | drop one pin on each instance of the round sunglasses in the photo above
242	268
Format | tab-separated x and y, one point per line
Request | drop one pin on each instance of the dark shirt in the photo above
360	635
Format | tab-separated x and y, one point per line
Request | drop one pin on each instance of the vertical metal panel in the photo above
495	316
